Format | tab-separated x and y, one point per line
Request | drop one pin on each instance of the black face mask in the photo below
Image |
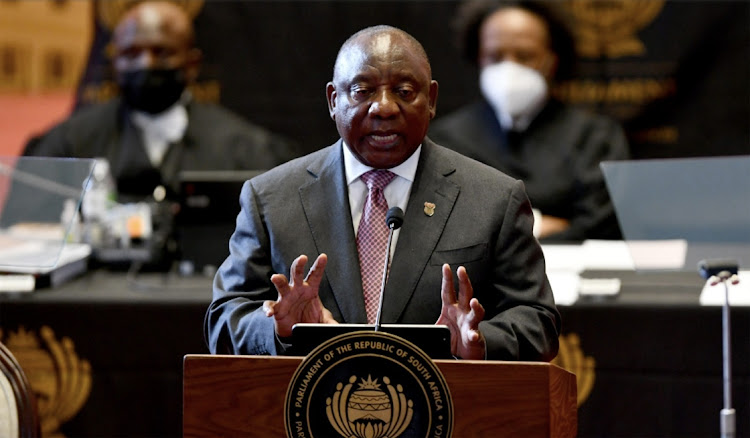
152	90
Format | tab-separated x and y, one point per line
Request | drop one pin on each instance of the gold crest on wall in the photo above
61	381
109	12
571	357
609	28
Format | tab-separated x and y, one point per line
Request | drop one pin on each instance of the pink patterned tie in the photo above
372	238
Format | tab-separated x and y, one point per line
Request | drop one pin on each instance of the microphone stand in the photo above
721	272
391	228
393	219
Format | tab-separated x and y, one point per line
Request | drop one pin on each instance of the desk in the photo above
657	355
134	340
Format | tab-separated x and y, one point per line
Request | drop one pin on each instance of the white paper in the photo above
739	294
607	255
658	254
563	257
564	286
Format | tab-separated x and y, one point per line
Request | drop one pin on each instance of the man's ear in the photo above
331	99
433	98
550	68
193	60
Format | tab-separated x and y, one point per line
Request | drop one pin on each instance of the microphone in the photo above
394	219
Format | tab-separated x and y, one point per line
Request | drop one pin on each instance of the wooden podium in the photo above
244	396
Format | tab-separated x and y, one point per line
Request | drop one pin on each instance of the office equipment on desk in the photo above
567	262
41	229
676	212
40	201
72	262
209	204
601	269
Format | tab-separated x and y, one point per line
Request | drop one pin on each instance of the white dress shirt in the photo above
161	130
396	193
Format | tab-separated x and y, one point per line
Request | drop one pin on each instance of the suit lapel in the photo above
420	233
329	218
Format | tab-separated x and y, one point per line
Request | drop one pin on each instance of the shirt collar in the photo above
522	122
354	168
168	125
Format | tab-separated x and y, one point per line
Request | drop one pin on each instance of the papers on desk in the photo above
564	286
563	266
566	262
739	294
591	254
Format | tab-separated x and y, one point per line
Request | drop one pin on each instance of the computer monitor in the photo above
702	203
209	204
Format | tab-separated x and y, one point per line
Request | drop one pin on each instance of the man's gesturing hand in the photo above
462	315
298	300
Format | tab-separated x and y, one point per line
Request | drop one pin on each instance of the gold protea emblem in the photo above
608	28
60	380
571	358
369	411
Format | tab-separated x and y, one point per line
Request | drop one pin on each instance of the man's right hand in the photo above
298	300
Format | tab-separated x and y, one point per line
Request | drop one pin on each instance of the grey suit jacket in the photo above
482	220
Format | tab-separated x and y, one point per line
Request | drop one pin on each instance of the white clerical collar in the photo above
520	123
162	129
354	168
168	125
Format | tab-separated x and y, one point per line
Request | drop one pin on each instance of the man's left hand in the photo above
462	315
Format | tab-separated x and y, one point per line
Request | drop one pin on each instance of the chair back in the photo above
18	412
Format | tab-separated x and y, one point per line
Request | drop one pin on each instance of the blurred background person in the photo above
149	135
155	129
521	48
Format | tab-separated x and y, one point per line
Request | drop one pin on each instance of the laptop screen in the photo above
702	202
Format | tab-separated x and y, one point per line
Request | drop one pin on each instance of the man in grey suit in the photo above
458	212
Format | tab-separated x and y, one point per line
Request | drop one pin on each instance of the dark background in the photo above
686	94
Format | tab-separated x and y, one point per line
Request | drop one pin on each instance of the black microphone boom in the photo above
394	219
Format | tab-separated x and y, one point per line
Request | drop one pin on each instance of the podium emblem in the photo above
368	385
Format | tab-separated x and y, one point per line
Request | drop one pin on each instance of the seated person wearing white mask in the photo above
520	49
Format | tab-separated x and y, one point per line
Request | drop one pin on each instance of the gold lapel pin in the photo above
429	208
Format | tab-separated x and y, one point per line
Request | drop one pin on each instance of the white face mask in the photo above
515	91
